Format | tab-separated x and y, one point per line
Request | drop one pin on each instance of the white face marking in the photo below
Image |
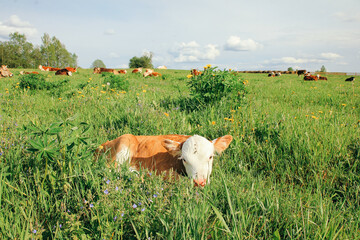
197	155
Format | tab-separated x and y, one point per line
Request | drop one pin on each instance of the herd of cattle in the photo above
5	72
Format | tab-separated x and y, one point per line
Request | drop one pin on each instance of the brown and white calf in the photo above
101	70
4	72
137	70
176	154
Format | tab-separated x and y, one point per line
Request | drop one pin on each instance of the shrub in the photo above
117	82
37	82
212	85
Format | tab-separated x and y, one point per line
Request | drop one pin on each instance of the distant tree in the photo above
290	69
323	69
98	63
145	61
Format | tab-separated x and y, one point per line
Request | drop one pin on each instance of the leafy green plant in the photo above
116	82
38	82
212	85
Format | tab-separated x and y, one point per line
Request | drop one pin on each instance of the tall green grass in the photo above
292	171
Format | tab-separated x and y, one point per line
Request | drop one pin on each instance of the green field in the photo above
291	172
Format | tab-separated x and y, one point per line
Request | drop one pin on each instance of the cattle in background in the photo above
321	77
5	72
300	72
101	70
137	70
161	67
169	154
122	71
44	68
63	72
148	72
71	69
155	74
350	79
277	74
25	73
309	77
195	72
272	74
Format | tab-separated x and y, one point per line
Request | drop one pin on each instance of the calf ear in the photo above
174	148
222	143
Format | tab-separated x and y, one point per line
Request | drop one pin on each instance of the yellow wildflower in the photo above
60	98
102	91
343	104
189	76
101	147
166	114
213	122
144	91
314	117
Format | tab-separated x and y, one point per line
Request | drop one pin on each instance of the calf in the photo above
71	69
122	71
4	72
321	77
63	72
310	78
350	79
101	70
176	154
137	70
148	72
24	73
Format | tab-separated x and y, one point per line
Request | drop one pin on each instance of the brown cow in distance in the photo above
63	72
300	72
24	73
98	70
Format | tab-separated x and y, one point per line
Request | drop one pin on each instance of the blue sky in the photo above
242	35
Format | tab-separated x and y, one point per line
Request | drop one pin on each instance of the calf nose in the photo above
199	182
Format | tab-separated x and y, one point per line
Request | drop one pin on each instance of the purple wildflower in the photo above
155	195
134	206
108	182
91	205
115	218
106	191
143	209
34	231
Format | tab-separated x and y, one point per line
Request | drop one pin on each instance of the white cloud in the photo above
348	17
15	24
235	43
110	32
193	52
330	56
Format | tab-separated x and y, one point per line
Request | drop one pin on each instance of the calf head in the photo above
197	155
97	70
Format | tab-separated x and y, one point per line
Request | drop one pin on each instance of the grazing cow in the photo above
137	70
121	71
24	73
101	70
63	72
4	72
350	79
195	72
148	72
278	74
71	69
309	77
300	72
176	154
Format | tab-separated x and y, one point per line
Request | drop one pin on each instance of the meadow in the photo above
291	172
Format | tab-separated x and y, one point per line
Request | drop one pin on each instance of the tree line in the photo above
17	52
